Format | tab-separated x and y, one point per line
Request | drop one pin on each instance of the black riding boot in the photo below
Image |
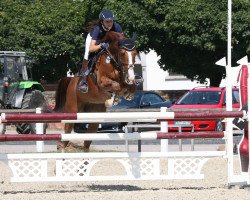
83	85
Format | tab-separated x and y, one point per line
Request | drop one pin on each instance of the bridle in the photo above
118	63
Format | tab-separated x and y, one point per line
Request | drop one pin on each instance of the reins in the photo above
118	66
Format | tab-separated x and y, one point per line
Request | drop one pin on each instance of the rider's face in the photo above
108	24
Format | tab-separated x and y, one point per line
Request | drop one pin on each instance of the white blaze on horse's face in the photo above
130	75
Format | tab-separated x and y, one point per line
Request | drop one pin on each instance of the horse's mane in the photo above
113	36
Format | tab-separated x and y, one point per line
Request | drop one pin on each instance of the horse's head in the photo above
122	53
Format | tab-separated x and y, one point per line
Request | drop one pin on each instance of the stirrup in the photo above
83	87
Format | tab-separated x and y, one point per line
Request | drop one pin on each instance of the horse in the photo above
112	76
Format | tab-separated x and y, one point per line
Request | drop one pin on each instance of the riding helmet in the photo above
106	15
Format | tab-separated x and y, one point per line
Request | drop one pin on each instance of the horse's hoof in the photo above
85	149
61	146
60	149
63	150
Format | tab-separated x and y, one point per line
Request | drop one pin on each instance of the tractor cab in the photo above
14	66
17	89
15	78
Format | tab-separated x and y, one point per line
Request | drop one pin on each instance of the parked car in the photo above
203	98
142	99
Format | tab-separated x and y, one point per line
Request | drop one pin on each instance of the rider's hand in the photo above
104	46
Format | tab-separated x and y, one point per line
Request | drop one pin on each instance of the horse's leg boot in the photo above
83	85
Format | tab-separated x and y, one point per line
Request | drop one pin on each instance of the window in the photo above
151	98
235	97
200	97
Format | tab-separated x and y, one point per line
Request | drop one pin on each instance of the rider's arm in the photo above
94	46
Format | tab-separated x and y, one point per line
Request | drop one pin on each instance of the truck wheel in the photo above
32	100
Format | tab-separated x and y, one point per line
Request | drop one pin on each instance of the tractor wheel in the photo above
32	100
2	125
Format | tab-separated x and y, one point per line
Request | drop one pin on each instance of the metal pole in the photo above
164	128
192	140
229	126
180	140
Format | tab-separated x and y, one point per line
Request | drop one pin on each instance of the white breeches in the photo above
87	45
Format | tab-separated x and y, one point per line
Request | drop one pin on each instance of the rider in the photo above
106	23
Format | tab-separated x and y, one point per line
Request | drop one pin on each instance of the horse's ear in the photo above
134	36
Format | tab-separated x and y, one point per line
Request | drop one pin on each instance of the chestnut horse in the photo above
114	74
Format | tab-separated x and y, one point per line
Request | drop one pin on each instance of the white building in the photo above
156	78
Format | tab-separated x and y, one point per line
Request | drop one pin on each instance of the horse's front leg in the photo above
128	92
109	85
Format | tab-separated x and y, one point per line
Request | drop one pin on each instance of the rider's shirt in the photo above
99	32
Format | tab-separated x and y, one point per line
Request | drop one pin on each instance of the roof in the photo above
210	89
12	53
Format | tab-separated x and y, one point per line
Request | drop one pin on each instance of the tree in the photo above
49	31
195	35
190	36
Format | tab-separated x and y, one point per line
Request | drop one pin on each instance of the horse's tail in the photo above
60	97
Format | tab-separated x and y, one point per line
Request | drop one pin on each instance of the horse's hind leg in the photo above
71	106
61	145
92	128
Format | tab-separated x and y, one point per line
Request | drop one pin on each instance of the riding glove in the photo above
104	45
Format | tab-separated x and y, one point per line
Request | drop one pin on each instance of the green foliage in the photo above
49	31
190	36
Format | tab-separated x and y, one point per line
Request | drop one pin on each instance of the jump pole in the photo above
39	130
248	101
111	136
164	128
116	117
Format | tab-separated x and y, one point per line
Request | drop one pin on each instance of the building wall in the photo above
156	78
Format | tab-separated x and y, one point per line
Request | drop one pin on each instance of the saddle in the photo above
91	66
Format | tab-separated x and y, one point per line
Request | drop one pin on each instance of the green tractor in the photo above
17	90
